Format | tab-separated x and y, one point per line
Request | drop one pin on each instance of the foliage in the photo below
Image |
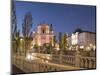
65	41
78	30
26	27
47	47
17	40
60	40
27	24
13	21
36	46
54	41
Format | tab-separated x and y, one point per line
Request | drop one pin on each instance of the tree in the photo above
54	41
65	41
36	47
27	24
78	30
60	40
13	21
48	48
26	27
17	40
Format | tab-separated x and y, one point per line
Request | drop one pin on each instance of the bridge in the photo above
39	62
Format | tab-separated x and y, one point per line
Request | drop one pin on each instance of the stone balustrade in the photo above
38	66
56	63
83	62
87	62
68	59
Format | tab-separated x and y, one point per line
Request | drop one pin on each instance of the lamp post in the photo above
21	46
16	45
16	38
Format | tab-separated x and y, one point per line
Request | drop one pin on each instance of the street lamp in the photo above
21	39
17	45
21	45
29	57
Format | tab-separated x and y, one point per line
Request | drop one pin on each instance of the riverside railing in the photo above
47	62
39	66
77	61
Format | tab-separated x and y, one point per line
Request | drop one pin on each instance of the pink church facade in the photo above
43	34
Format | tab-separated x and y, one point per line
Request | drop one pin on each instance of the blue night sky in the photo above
63	17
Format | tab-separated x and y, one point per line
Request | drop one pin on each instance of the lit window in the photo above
74	39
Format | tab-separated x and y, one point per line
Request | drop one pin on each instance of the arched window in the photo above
43	31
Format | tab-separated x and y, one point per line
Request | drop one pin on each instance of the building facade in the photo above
85	40
44	34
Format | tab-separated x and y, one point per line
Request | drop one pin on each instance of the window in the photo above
43	31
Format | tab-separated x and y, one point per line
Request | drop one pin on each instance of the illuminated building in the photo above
85	40
43	35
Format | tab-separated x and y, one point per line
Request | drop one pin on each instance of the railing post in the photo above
82	63
77	57
86	63
90	64
60	57
94	65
